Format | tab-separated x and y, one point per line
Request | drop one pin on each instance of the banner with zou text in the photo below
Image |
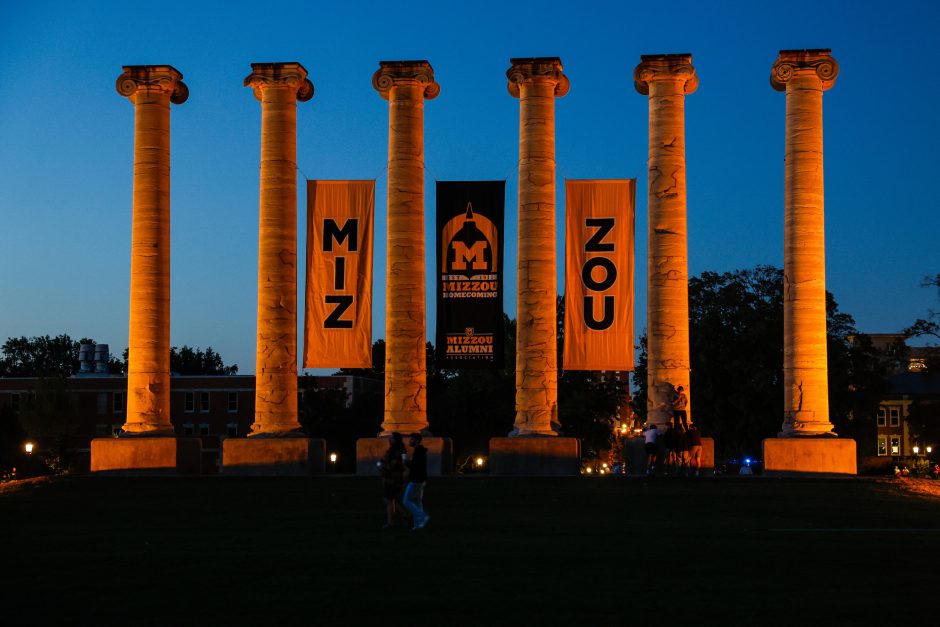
599	235
338	312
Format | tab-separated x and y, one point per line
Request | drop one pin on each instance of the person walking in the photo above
650	436
417	476
393	479
695	450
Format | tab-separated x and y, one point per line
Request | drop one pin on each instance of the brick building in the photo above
64	415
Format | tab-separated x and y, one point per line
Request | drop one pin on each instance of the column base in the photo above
634	453
134	456
370	451
809	457
535	456
273	457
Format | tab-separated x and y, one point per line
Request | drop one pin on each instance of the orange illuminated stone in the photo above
278	86
406	85
667	79
536	82
151	88
804	75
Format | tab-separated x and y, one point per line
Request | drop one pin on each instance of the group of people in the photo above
682	449
682	441
403	495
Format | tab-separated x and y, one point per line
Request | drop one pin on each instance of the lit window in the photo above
190	403
882	417
203	428
231	429
102	403
188	428
203	402
882	446
232	402
895	416
895	445
118	402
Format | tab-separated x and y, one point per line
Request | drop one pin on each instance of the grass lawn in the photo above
557	551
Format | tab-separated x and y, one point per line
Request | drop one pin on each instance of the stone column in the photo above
278	86
804	75
151	88
406	85
536	82
666	79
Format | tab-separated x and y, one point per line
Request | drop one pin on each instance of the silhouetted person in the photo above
417	476
650	436
679	404
393	478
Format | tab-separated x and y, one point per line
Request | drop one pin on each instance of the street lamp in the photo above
479	461
29	448
916	450
929	450
333	458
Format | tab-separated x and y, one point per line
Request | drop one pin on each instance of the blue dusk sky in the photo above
66	155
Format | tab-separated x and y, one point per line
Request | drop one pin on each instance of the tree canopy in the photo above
736	352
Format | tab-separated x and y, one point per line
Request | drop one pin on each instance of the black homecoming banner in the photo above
470	273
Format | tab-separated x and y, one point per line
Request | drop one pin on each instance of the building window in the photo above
203	402
118	402
203	428
15	401
232	429
102	403
188	428
895	445
232	402
882	417
190	403
882	446
895	416
101	430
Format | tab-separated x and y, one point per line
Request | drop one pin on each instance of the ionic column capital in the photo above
535	70
138	79
792	64
290	75
665	67
397	73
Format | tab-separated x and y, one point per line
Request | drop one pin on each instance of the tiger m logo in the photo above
469	245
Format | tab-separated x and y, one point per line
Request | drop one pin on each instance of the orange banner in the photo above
599	233
338	312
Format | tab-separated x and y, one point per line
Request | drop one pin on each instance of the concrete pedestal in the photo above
273	457
146	456
809	457
535	456
634	453
369	451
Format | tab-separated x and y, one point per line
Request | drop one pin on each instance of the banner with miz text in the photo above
599	232
470	273
338	312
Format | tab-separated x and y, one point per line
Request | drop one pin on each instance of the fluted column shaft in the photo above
804	75
536	82
278	86
667	79
405	85
151	89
